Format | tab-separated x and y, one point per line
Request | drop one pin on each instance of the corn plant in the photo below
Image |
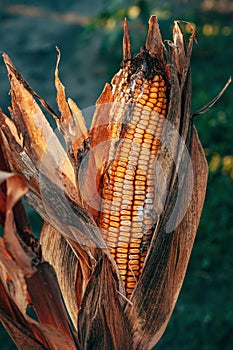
121	203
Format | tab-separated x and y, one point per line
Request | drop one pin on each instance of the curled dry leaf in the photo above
21	272
121	206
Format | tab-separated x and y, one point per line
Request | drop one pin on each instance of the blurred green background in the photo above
89	34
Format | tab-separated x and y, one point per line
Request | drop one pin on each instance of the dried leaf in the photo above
72	126
20	335
40	141
212	102
157	291
154	42
46	299
102	323
57	251
16	188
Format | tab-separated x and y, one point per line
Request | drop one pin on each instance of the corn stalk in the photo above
88	290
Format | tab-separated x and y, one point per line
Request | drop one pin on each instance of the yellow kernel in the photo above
124	154
114	218
134	251
136	226
131	166
133	262
144	151
125	212
130	131
141	187
125	217
157	109
123	245
153	95
146	90
132	160
128	182
140	177
126	207
112	245
148	136
162	83
131	279
138	134
129	177
145	97
145	116
118	186
156	78
116	199
134	257
148	222
115	205
104	224
123	238
150	176
153	100
114	224
125	222
136	113
121	261
121	255
138	196
117	194
139	82
133	273
139	202
141	171
142	162
137	219
149	104
129	171
147	145
129	291
105	219
135	244
129	136
139	182
113	229
123	270
142	102
154	116
119	174
127	193
139	192
112	239
150	183
128	187
147	141
114	212
126	146
125	228
147	107
140	126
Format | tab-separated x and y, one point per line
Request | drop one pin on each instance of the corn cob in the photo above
127	216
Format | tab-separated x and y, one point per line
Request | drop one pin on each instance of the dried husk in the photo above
72	262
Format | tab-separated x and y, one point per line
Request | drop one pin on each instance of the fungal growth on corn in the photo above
127	216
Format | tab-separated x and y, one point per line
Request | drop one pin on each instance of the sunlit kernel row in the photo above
130	193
